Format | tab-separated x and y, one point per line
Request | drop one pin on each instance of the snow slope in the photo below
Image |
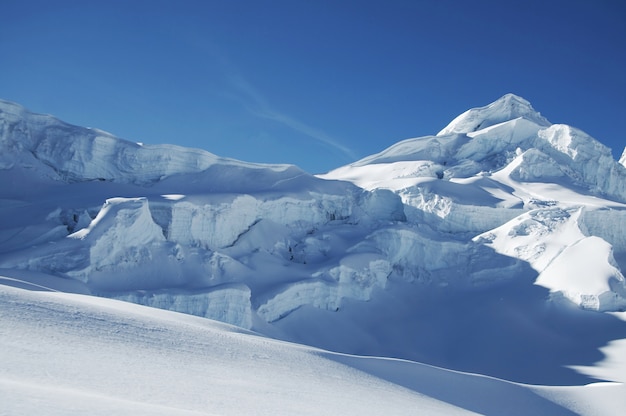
495	247
70	354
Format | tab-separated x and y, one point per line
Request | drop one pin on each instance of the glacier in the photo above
500	201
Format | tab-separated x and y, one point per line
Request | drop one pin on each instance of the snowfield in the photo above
483	265
65	354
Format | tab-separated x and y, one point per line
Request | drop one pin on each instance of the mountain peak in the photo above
506	108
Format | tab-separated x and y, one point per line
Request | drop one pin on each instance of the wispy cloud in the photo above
256	103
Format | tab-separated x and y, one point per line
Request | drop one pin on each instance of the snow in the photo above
66	355
509	107
494	248
593	162
70	354
82	154
584	273
613	365
355	277
581	268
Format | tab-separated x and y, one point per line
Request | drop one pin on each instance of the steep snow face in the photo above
489	146
536	166
429	148
580	268
590	162
594	283
622	160
509	107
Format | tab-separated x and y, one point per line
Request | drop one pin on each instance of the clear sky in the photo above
316	83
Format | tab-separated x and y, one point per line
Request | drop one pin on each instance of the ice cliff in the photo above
500	194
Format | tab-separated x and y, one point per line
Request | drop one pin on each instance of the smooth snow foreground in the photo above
65	354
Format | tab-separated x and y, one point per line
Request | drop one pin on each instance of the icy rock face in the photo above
622	160
124	241
382	205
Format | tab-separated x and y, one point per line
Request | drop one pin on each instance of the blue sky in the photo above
315	83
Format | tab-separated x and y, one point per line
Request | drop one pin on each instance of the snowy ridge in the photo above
70	153
435	242
509	107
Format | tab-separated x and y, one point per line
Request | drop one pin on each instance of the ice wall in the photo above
448	216
608	224
194	254
587	161
119	237
230	303
219	224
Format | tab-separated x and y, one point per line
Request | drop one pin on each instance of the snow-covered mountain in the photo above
496	246
505	176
